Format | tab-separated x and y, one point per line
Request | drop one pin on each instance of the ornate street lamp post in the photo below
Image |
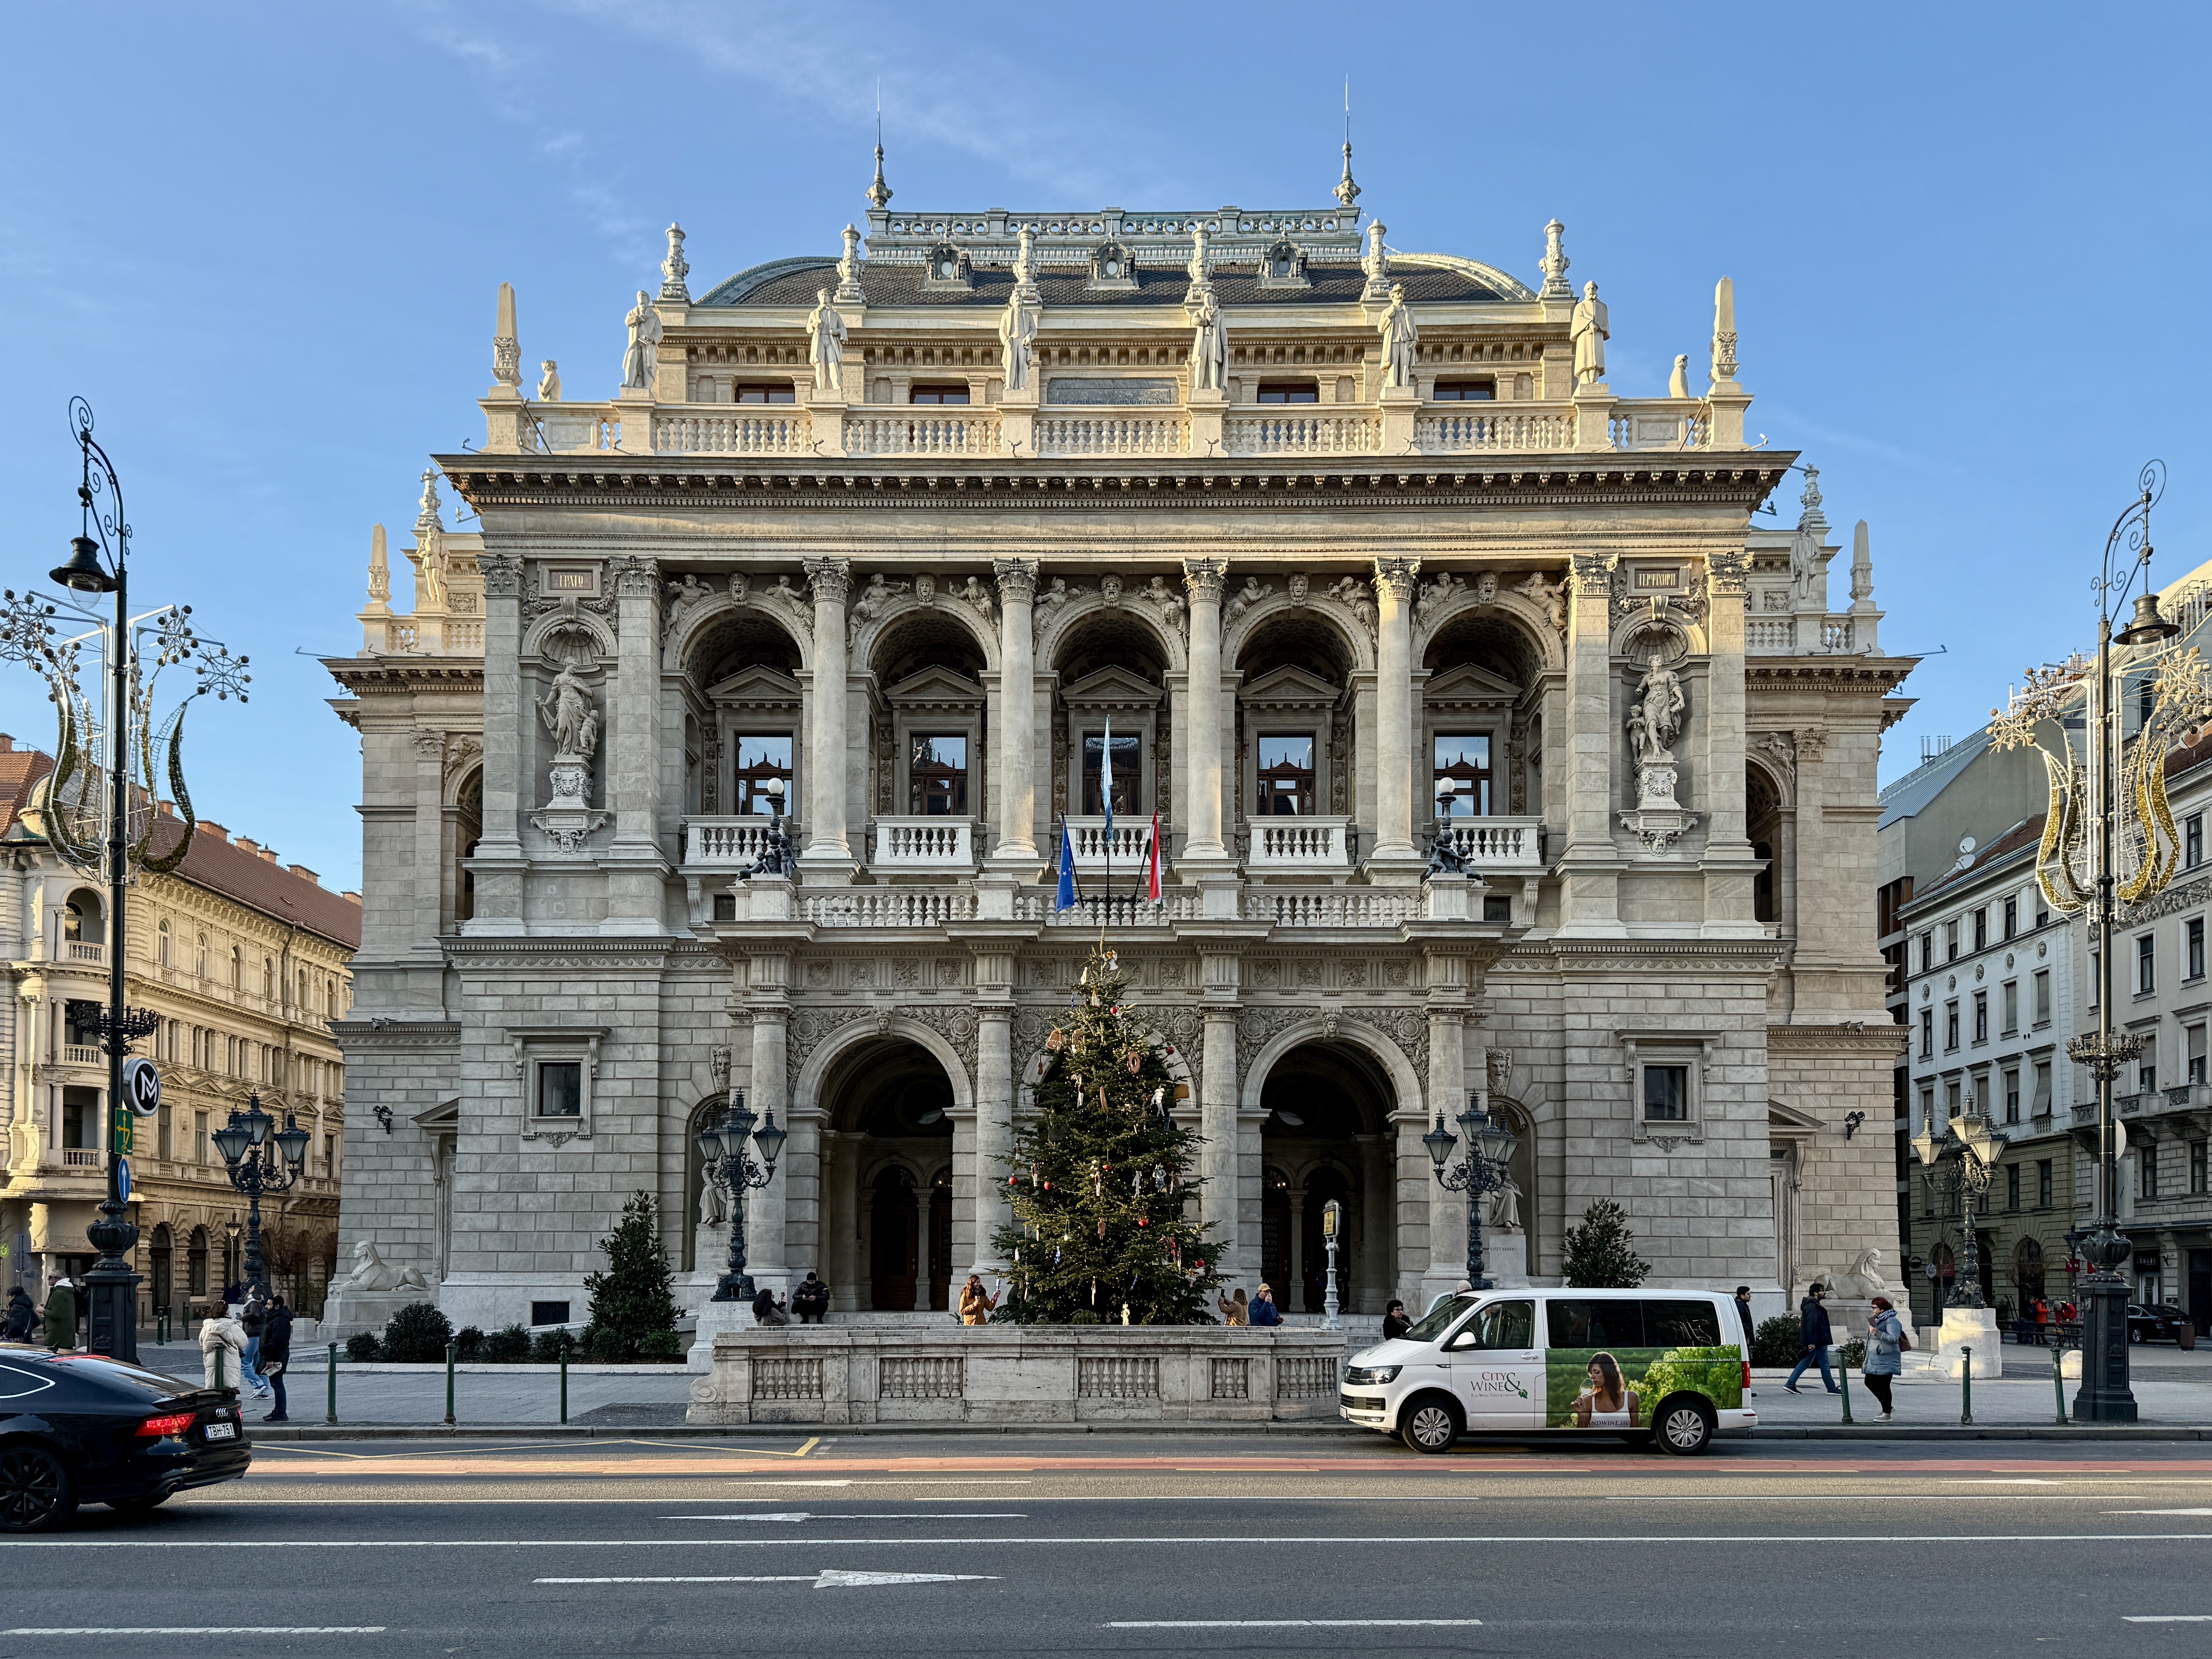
1484	1169
1971	1149
97	810
729	1166
2109	844
255	1166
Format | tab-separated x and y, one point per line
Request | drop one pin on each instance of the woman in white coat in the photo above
220	1334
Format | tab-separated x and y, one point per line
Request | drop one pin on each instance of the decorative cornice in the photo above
1864	676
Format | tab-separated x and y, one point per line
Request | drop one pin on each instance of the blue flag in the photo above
1106	783
1066	896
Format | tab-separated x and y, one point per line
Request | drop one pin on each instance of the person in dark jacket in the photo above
255	1320
1814	1333
61	1315
276	1352
1395	1322
810	1299
22	1316
1263	1311
1743	1312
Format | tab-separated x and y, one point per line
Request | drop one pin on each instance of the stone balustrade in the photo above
1302	435
1660	423
732	843
968	432
886	907
1018	1373
1493	845
1335	906
1102	434
786	432
1086	911
1123	851
923	844
1300	846
1501	429
1836	634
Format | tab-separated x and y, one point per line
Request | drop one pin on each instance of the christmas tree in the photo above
1600	1254
1100	1179
633	1306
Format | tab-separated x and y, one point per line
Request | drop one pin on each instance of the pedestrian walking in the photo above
221	1334
1885	1351
1814	1333
1395	1322
766	1310
277	1352
1263	1310
253	1319
61	1315
22	1316
1743	1312
810	1299
1235	1310
975	1302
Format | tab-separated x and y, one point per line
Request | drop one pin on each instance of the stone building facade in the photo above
1346	552
247	960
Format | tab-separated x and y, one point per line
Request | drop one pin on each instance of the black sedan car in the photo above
77	1428
2157	1323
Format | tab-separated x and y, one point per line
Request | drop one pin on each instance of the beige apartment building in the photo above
246	961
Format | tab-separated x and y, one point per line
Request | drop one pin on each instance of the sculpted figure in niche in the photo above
710	1204
1399	338
568	712
1656	719
1017	332
1505	1207
643	356
1209	348
825	344
1590	331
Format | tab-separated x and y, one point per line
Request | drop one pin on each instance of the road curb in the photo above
2138	1432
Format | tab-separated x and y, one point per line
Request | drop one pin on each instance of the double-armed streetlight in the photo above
258	1162
1486	1168
1968	1149
721	1145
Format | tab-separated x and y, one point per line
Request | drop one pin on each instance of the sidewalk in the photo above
2167	1395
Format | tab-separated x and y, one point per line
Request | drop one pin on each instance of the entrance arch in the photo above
887	1182
1327	1133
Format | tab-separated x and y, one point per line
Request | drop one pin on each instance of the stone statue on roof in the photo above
1401	339
549	382
643	356
1209	347
825	344
1017	332
1590	331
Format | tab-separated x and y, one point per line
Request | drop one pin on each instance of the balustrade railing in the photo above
81	1054
1836	634
924	843
80	1158
1111	435
1125	851
787	434
889	907
1670	425
1090	910
975	434
80	951
1302	435
1299	844
1335	908
729	843
573	428
1490	845
1505	430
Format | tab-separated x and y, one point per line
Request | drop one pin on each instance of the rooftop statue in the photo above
1590	331
1209	347
1017	332
643	356
1399	338
825	344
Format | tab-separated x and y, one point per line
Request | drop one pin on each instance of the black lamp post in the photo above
730	1167
1970	1150
1484	1169
256	1166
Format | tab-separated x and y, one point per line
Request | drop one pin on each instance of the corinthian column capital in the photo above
637	579
1397	577
1017	579
1204	578
832	579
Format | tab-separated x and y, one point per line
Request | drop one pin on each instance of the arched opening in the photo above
707	1236
83	924
926	738
890	1234
2027	1273
1480	710
159	1250
1327	1136
1113	677
468	831
1294	720
742	699
196	1263
1763	826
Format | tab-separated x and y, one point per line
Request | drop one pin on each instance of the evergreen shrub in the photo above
417	1334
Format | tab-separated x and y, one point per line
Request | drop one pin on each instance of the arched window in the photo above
237	969
303	990
199	965
161	943
268	980
196	1263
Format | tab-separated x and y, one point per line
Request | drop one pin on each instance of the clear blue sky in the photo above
1969	247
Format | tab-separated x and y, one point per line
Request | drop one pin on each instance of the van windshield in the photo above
1431	1325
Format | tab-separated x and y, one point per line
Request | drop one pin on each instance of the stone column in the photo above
1447	1088
1291	1298
431	871
631	753
1590	864
499	857
1394	854
994	1129
765	1207
1017	827
1202	842
1730	870
1373	1260
1218	1160
826	845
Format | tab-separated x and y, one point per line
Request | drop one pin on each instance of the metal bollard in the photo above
330	1405
1966	1387
564	1385
1845	1373
450	1348
2058	1380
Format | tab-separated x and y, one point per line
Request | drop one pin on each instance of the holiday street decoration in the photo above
1101	1184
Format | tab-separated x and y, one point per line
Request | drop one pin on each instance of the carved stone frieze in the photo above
805	1031
502	574
636	578
956	1023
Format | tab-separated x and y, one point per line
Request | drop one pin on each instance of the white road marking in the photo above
1869	1498
2158	1511
196	1630
1333	1540
829	1578
988	1514
1277	1624
765	1486
2167	1617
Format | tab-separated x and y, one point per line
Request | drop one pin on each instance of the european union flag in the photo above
1066	866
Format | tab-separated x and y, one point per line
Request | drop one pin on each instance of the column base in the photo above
828	869
1394	866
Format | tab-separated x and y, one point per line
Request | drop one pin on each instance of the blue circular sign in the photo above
123	1179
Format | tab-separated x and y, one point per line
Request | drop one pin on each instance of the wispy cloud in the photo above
1792	429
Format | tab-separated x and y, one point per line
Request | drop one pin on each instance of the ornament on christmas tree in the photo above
1136	1064
1056	1041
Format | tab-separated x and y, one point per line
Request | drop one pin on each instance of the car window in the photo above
17	1382
1681	1324
1592	1322
1438	1320
1503	1325
119	1381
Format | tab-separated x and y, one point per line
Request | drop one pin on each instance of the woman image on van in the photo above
1608	1402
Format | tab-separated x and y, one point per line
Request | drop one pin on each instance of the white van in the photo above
1669	1364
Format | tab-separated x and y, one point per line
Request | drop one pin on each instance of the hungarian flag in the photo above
1153	863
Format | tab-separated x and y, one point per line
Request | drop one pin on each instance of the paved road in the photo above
1151	1545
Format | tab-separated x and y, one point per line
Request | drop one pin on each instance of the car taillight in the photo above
160	1428
1746	1375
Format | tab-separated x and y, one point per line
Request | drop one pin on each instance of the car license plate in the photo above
222	1431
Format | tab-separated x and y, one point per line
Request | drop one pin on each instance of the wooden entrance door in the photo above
891	1240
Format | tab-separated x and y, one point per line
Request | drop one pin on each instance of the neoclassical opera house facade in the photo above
1350	551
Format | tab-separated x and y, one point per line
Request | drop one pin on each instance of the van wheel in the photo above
1684	1425
1430	1424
